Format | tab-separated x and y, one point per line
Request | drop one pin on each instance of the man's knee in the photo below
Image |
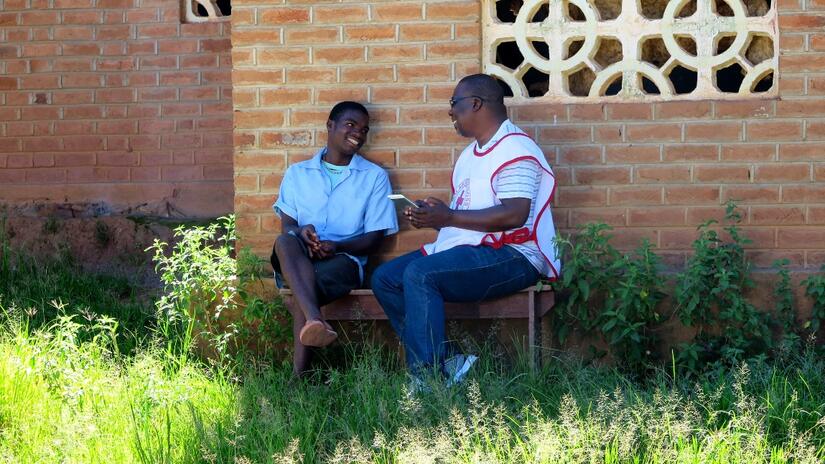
417	274
285	243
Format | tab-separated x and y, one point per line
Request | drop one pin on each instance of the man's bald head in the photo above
488	88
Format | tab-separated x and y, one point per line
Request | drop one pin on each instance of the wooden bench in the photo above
532	303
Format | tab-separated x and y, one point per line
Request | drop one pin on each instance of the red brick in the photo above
369	33
777	215
701	214
690	195
339	55
801	238
282	56
801	108
607	134
402	179
368	74
816	130
285	96
751	194
452	50
583	155
45	175
562	134
339	14
40	49
689	153
299	138
270	161
801	22
397	94
389	136
39	18
258	119
602	175
334	95
581	196
423	72
748	152
41	144
656	216
397	11
783	173
308	117
744	109
311	75
268	37
609	216
718	131
424	116
682	110
622	154
424	32
83	143
279	16
635	196
121	32
794	43
396	53
654	133
722	173
629	111
452	10
816	215
151	31
311	35
181	173
254	77
437	178
800	152
73	127
805	62
75	159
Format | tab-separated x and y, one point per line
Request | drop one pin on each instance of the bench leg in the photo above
533	330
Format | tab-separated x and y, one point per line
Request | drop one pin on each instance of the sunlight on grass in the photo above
76	387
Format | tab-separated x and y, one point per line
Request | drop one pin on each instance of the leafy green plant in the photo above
205	299
710	298
785	309
815	288
609	292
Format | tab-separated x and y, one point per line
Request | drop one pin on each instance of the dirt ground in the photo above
114	245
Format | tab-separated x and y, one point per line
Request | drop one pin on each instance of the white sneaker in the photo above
457	368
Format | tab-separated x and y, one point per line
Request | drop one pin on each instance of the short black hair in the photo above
344	106
484	86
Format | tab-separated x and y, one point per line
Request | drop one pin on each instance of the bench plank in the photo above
532	303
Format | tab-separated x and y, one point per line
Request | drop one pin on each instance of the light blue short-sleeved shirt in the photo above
355	206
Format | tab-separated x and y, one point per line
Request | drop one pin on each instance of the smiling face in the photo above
348	132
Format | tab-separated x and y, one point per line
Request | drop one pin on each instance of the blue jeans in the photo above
412	290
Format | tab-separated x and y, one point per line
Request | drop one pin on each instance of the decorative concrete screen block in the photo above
608	50
201	11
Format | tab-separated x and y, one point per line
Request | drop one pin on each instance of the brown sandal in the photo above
317	333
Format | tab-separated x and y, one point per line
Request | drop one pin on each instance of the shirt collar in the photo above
504	129
357	163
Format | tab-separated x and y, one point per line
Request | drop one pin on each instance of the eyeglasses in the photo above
454	101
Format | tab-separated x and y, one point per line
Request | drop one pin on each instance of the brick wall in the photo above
651	170
115	101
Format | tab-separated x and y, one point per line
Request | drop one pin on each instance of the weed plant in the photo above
69	393
710	297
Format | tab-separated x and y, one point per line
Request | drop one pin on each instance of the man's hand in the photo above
326	249
310	237
431	212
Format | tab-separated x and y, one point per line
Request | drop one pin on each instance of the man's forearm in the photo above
491	219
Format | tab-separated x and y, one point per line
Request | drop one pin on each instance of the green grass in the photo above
70	392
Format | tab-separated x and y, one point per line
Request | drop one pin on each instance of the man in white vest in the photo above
495	237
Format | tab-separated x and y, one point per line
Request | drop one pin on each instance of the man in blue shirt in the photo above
334	212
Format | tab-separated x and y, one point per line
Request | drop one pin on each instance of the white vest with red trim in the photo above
473	189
